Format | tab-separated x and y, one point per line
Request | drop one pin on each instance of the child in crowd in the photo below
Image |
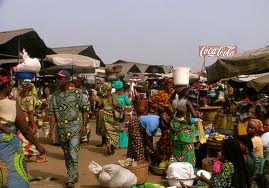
255	127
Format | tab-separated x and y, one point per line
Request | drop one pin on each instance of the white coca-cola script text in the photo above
219	51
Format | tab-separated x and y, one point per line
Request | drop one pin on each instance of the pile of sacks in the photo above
113	175
180	172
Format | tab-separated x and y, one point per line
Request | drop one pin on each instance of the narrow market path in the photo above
52	173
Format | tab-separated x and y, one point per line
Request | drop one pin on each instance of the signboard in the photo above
217	51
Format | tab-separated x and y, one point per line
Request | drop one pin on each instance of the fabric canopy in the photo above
86	50
72	59
250	62
259	83
73	69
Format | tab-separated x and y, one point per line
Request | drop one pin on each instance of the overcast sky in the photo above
147	31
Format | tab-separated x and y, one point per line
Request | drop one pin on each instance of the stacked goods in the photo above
28	68
113	72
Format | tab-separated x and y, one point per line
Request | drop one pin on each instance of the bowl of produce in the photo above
159	169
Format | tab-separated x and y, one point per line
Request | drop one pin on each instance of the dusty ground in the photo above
55	167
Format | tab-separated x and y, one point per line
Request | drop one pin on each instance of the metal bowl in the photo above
157	171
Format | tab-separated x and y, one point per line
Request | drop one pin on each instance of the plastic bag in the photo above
29	64
113	175
201	132
180	172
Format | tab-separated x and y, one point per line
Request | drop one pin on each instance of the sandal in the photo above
110	151
69	185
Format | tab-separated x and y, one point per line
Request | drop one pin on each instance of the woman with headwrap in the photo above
161	101
12	169
28	101
108	126
121	102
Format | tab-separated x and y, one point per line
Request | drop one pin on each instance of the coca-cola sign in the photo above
219	51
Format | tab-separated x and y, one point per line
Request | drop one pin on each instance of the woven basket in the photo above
113	69
141	171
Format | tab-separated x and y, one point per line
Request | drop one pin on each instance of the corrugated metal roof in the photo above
127	65
8	61
6	36
70	49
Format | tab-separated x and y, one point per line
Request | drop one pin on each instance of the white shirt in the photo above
265	139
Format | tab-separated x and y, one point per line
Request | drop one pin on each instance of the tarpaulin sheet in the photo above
250	62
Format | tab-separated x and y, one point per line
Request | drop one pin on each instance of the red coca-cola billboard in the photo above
217	51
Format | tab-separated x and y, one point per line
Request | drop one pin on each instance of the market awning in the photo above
86	50
250	62
73	69
259	83
72	59
12	42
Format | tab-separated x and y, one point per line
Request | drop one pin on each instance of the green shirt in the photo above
67	108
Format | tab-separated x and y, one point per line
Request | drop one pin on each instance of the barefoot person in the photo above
69	108
12	168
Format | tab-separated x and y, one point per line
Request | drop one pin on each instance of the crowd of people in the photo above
129	116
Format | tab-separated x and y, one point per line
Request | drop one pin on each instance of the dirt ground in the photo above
52	173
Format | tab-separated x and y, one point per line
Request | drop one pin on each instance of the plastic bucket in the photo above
181	75
25	75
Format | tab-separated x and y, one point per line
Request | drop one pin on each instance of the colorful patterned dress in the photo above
28	106
159	103
182	136
107	123
137	142
138	130
13	171
221	180
67	108
164	144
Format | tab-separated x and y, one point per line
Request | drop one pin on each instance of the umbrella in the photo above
73	69
73	59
